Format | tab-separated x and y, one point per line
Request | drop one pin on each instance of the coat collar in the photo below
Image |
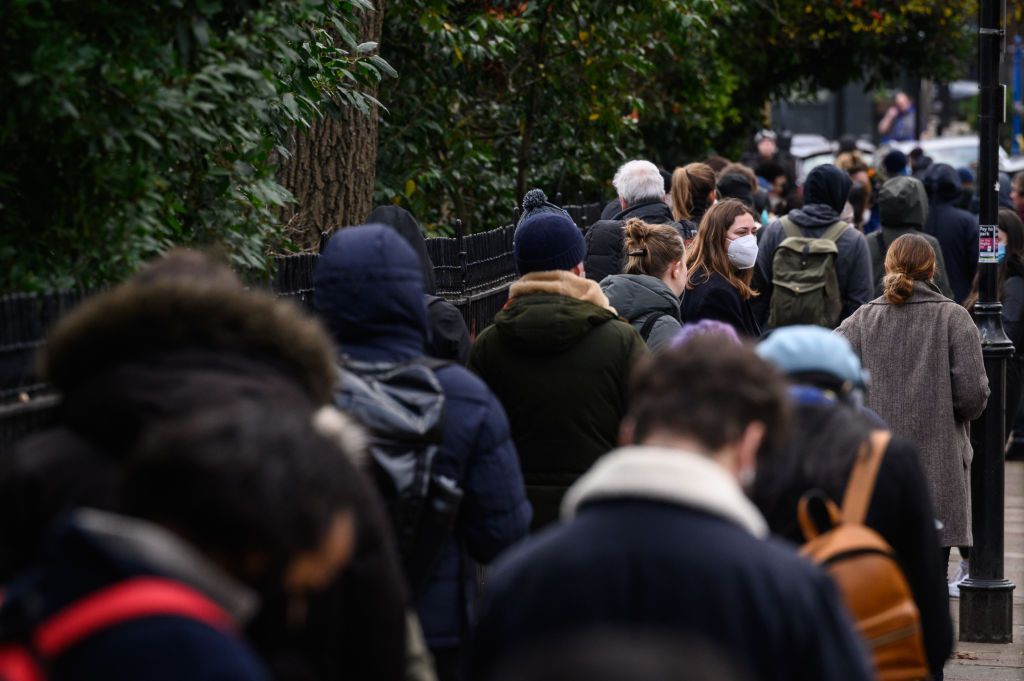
924	292
562	283
164	552
670	475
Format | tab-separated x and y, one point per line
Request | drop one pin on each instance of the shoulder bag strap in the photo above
861	485
130	599
835	231
790	228
645	330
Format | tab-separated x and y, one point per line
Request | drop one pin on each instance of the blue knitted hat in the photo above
547	241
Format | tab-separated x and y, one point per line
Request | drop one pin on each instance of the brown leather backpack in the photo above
866	571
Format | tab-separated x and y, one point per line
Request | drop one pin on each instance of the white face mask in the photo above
743	252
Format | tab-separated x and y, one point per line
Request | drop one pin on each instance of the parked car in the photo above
815	150
955	151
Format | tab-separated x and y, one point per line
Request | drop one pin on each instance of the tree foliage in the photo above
130	127
494	97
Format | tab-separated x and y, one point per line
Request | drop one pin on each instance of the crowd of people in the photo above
628	475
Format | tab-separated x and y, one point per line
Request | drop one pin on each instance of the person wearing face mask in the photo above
720	265
647	295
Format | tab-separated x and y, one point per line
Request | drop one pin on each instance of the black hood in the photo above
405	224
943	183
827	185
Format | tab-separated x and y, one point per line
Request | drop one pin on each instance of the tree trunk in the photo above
333	165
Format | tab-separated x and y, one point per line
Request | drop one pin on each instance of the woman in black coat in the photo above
721	262
828	434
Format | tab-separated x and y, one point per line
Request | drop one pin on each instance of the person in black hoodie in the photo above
828	434
641	191
825	194
448	337
955	228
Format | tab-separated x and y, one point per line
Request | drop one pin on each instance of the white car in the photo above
955	151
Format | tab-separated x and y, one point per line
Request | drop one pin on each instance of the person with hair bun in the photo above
693	192
721	267
647	295
923	353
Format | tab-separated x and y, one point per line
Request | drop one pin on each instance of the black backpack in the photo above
402	408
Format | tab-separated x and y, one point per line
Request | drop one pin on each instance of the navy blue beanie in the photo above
547	241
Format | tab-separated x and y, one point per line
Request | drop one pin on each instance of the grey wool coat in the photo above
928	382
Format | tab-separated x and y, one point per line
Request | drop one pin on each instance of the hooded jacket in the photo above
903	207
955	228
369	291
559	360
143	352
449	337
638	297
825	194
665	540
604	239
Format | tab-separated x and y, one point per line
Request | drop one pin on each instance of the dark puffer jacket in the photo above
369	291
955	228
560	366
143	353
637	298
605	238
903	207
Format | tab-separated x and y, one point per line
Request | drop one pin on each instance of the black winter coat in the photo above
605	238
717	299
657	558
900	511
956	229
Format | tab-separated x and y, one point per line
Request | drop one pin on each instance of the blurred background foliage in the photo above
131	127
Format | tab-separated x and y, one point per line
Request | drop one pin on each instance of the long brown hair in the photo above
910	259
691	186
709	254
651	249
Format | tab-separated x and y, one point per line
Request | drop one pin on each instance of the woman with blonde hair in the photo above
647	295
693	192
720	264
923	353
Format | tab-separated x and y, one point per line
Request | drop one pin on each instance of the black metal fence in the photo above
473	272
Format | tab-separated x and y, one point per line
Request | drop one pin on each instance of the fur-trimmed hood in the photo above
668	475
134	321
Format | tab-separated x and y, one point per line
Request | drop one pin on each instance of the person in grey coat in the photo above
903	208
924	355
647	295
825	194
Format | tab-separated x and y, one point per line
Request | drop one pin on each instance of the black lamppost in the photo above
986	597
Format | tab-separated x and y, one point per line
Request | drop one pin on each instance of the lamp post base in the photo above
986	610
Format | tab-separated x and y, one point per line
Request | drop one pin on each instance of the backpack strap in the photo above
861	485
652	319
834	231
131	599
790	228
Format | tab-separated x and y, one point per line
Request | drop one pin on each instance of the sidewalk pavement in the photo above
986	661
